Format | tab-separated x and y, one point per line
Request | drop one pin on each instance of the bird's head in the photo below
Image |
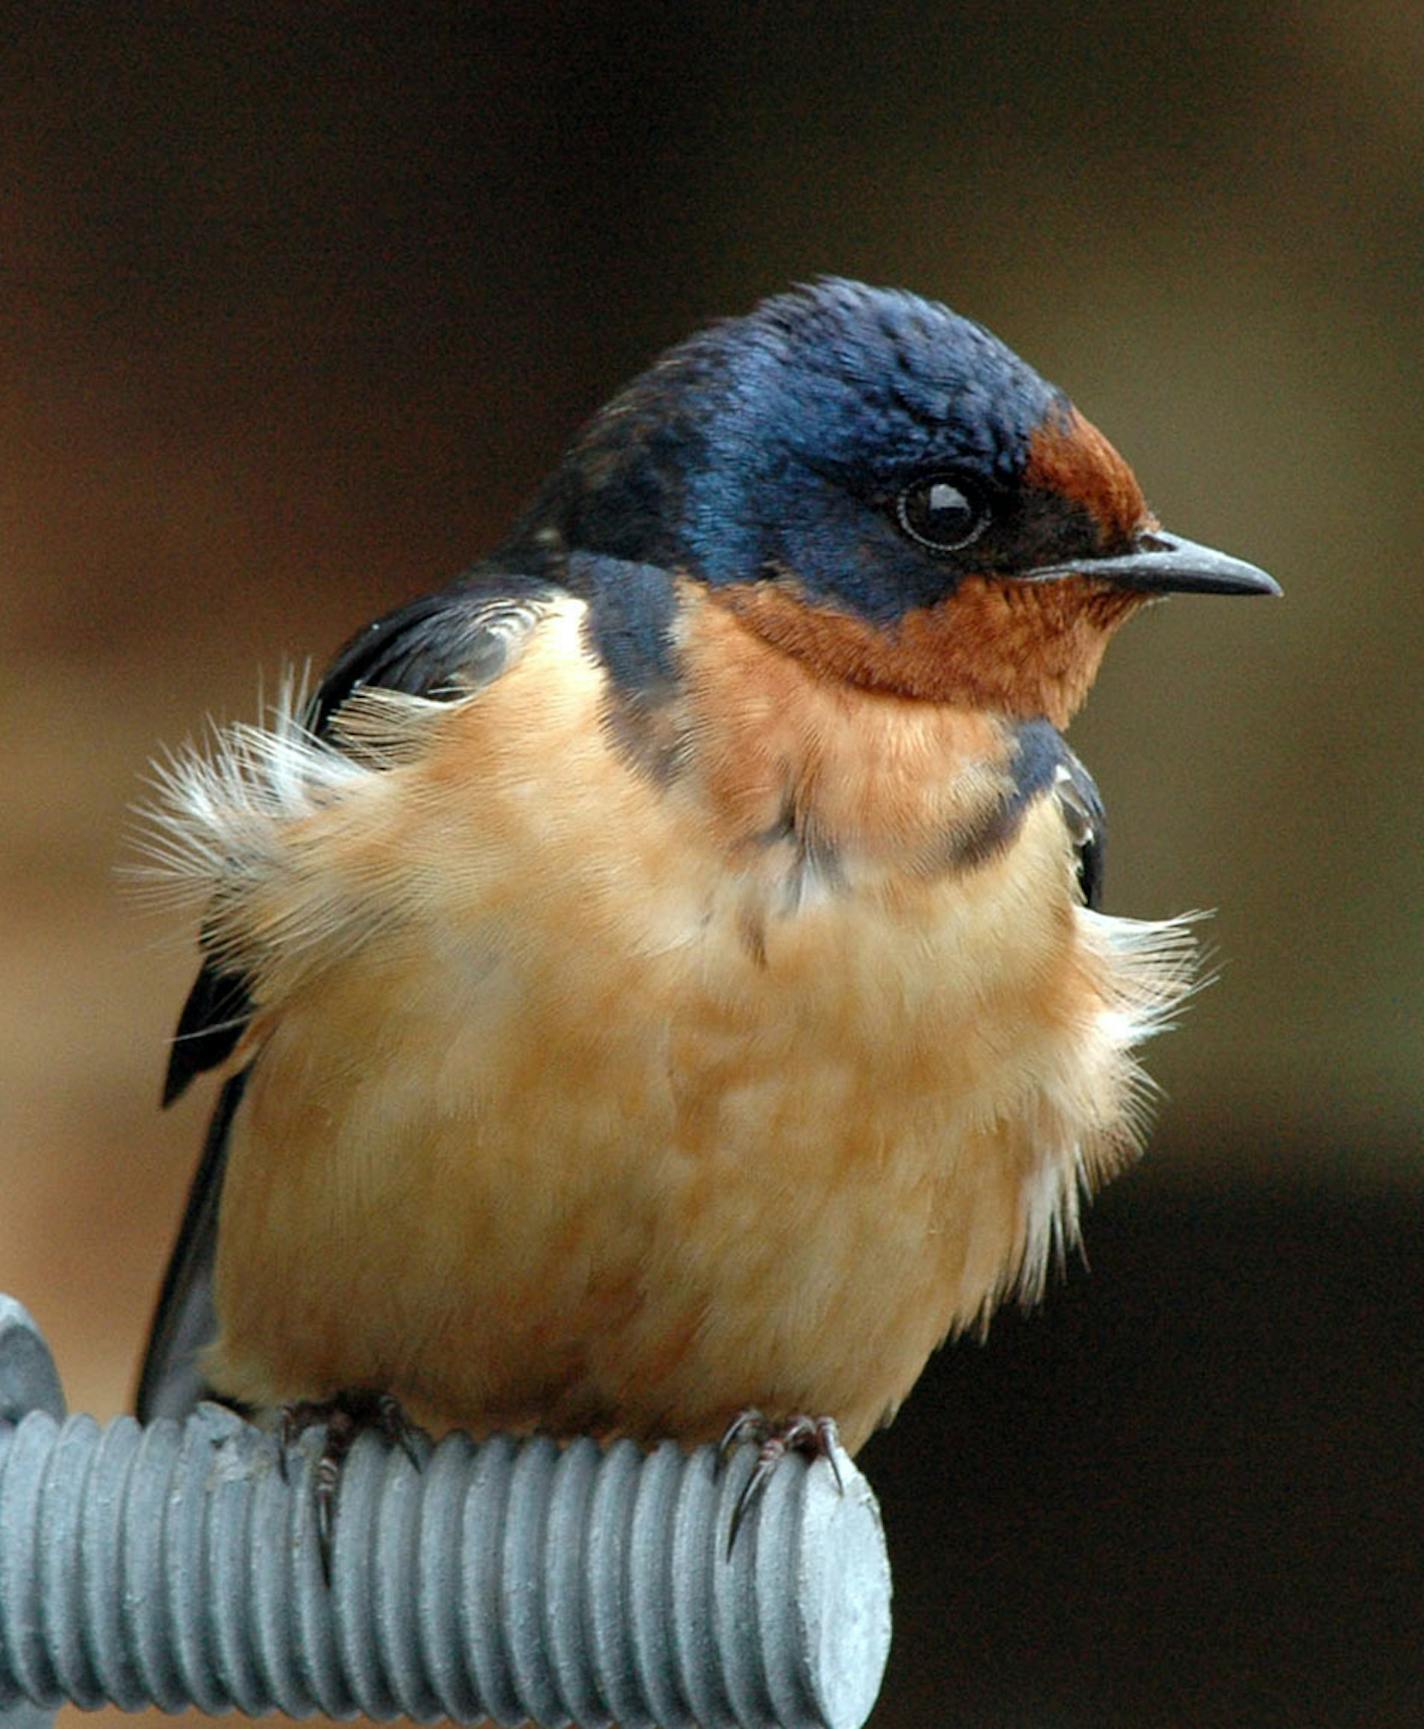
883	489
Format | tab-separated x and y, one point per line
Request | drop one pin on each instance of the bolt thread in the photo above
178	1565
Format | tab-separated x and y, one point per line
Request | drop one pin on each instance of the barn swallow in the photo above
661	976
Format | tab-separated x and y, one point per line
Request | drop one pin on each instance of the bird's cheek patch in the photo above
1070	457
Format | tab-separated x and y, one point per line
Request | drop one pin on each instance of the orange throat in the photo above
1017	649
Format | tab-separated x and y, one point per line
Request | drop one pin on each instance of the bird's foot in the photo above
812	1437
346	1417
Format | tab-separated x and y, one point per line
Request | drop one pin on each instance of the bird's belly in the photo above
638	1188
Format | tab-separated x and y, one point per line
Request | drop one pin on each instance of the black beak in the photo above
1163	563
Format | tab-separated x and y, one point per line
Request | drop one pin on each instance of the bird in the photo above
659	982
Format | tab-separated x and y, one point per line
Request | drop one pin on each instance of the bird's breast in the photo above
624	1105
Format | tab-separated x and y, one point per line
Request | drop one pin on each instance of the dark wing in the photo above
171	1382
213	1020
440	646
1042	766
1082	806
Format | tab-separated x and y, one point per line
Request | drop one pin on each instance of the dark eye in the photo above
941	512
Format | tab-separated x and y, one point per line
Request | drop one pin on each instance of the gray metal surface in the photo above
178	1565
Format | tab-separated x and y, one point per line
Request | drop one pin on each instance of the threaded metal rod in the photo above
178	1565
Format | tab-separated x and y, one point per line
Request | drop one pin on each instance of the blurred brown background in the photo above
298	304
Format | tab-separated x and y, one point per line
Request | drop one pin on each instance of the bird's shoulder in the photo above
1045	766
438	647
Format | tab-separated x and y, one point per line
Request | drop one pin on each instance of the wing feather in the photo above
441	647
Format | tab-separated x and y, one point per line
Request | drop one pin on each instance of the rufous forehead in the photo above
1069	456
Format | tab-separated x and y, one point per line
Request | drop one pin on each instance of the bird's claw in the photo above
346	1417
812	1437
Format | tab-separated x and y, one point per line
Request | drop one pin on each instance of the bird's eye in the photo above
941	513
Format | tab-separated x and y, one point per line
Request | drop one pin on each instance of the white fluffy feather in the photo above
234	821
1153	967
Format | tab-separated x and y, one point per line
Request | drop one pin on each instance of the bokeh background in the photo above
297	303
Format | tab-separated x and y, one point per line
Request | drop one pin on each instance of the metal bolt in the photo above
177	1565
